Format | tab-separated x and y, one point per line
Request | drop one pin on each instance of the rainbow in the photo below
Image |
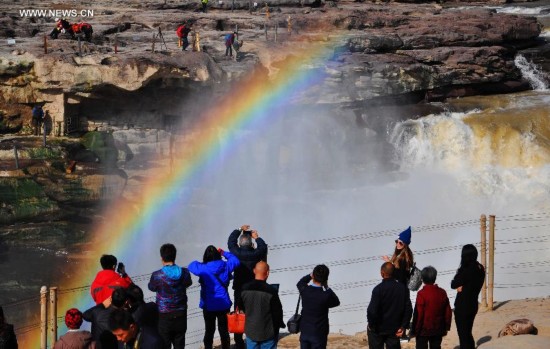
260	101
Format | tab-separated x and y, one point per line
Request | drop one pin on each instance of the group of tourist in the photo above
122	319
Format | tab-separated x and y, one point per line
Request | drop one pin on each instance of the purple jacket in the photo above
170	284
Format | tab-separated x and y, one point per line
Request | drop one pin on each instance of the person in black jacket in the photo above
8	340
130	335
317	298
241	245
99	317
468	281
264	311
389	311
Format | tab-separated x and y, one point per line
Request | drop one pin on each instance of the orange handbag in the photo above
235	321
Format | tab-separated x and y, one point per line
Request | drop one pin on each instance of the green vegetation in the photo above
23	198
44	153
102	144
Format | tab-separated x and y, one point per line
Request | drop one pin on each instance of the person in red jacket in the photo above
83	28
432	312
107	280
182	32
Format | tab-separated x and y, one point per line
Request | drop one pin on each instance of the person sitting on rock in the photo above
83	28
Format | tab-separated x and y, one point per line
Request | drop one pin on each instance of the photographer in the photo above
108	279
240	244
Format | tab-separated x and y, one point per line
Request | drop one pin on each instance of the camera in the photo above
120	268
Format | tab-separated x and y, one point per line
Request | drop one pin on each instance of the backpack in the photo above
181	30
415	279
227	38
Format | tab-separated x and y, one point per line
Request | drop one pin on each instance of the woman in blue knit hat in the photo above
402	257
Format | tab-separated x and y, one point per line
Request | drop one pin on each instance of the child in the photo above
432	313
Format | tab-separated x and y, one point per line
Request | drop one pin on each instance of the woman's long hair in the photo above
211	254
403	257
468	256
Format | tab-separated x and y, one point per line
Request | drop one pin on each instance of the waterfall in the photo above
531	73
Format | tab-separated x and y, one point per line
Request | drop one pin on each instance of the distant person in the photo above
229	41
204	4
107	280
61	26
130	335
183	32
402	258
170	283
432	313
8	340
214	276
389	311
75	338
263	309
240	243
468	281
98	316
37	119
145	314
83	28
317	299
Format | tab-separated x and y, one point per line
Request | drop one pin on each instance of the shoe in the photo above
404	340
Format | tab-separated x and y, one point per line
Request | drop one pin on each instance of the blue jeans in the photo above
267	344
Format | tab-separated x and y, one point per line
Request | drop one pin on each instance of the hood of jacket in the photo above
76	339
172	272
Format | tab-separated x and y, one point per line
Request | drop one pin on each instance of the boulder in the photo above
515	342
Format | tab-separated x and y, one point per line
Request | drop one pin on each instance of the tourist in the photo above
37	119
241	245
264	312
170	283
130	335
389	311
214	276
317	298
75	338
182	32
402	258
7	334
108	279
468	281
432	312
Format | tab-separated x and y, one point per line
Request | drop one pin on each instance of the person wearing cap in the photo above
240	243
75	338
7	334
402	258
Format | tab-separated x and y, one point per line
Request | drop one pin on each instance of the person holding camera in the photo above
317	299
170	284
107	280
214	275
241	245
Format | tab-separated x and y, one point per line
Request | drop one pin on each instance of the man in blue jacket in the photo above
240	244
389	311
170	283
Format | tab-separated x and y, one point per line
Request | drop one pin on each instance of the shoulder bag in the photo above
293	323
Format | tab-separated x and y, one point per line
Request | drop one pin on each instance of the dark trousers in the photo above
377	341
184	43
464	324
210	318
312	342
433	341
238	337
228	51
172	328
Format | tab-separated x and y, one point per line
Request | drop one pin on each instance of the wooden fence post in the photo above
43	317
16	157
491	282
53	315
483	230
45	44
